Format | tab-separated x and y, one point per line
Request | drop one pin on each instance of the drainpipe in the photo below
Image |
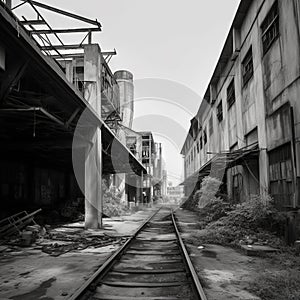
294	158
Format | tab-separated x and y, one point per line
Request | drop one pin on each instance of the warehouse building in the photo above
247	129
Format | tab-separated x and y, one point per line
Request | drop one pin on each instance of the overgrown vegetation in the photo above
253	221
283	285
213	211
208	191
112	205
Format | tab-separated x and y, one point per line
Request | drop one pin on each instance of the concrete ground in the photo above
27	273
224	272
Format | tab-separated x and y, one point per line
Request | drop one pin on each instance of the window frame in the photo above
230	94
270	22
247	72
204	136
220	111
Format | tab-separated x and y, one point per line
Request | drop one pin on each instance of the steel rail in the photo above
102	271
195	280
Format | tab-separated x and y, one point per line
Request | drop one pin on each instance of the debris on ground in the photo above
63	242
15	223
57	241
52	240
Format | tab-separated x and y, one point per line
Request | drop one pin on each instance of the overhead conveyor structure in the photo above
39	113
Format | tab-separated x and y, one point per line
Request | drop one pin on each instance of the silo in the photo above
125	82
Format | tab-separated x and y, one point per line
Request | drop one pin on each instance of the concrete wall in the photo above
31	185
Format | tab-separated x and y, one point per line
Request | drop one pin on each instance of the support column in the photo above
262	132
93	154
142	187
70	70
121	186
93	181
137	189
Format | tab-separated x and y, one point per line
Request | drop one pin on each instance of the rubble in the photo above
15	223
23	231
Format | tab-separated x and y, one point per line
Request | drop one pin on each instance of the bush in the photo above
253	221
256	213
189	203
209	188
206	194
112	206
213	211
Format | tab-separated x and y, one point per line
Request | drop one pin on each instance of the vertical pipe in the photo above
142	187
294	158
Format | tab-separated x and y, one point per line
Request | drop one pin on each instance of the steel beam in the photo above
66	13
62	47
72	30
33	22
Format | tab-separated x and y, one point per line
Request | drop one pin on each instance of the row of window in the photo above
199	146
269	33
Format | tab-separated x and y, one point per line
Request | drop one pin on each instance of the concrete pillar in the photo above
138	189
120	184
93	155
92	76
93	181
70	70
262	133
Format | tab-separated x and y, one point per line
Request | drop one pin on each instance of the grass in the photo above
277	284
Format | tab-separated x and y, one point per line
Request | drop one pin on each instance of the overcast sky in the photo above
175	42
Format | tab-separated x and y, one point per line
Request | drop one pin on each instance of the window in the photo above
270	27
201	142
211	125
230	94
247	67
220	111
281	176
204	136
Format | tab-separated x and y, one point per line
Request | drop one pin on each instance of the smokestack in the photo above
125	81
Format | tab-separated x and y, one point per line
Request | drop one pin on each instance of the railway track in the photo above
152	265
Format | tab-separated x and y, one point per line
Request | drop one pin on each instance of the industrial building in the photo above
57	107
175	194
246	131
